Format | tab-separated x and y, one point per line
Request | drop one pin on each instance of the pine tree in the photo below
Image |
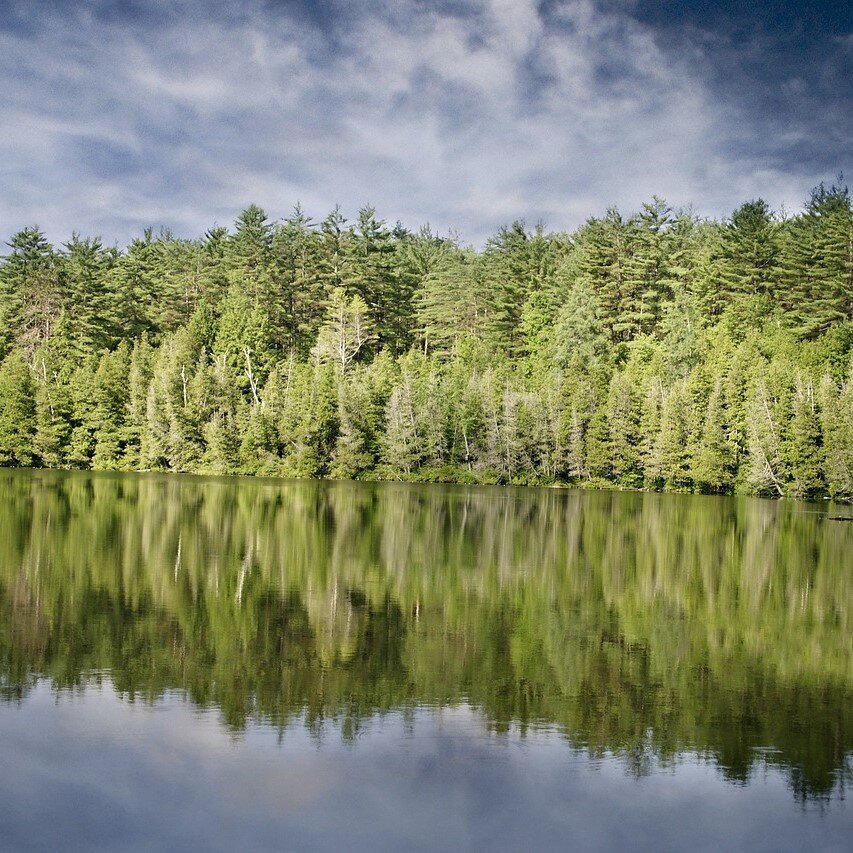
622	424
650	426
31	295
766	419
670	461
578	329
86	270
804	448
837	411
135	284
352	456
602	255
646	275
372	277
139	379
300	305
336	248
750	251
714	460
53	411
401	446
258	452
450	303
81	445
108	415
818	262
516	264
222	444
17	412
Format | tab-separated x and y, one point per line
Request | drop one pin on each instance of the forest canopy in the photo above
656	350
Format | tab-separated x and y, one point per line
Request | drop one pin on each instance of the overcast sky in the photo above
466	114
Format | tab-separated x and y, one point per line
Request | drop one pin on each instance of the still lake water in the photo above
204	663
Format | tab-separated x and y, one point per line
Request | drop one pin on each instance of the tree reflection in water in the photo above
640	625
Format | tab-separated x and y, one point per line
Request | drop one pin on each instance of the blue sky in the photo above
465	114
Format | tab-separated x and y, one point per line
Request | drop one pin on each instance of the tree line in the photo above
658	350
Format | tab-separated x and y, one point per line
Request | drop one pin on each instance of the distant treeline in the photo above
658	351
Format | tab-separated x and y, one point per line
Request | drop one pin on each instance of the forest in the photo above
658	351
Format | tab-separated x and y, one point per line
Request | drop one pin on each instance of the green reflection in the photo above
639	624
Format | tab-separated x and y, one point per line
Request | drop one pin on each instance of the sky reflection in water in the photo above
207	663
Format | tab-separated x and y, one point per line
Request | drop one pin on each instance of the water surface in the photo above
221	663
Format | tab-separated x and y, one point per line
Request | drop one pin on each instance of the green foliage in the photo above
636	624
652	351
17	412
818	262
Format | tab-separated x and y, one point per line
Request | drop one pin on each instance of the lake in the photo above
229	663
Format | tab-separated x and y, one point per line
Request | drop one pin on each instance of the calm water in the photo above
252	664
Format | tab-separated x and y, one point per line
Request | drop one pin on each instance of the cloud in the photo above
464	114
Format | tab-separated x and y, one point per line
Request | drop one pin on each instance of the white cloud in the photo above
465	120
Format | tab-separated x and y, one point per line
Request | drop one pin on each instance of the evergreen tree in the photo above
749	251
109	412
818	262
766	421
372	277
53	411
135	283
451	303
31	295
647	283
17	412
352	454
670	461
655	350
714	460
602	256
622	418
804	449
837	410
86	270
297	247
401	447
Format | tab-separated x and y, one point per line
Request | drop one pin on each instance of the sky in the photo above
464	114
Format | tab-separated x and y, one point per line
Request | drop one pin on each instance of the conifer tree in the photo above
301	303
138	381
31	296
646	277
451	303
352	455
602	255
714	460
656	350
804	449
749	251
622	416
86	270
837	411
401	446
372	277
135	283
766	421
670	461
17	412
108	415
53	411
818	261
